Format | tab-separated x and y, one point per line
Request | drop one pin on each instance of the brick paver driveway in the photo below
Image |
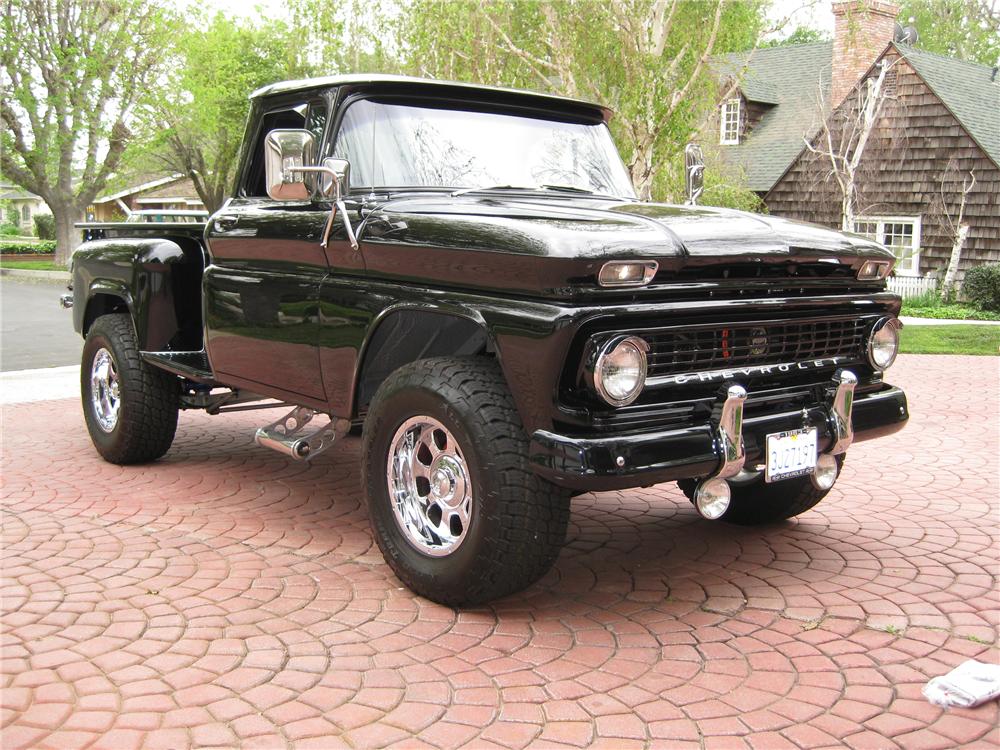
228	596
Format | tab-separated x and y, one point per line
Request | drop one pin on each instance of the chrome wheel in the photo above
104	392
429	486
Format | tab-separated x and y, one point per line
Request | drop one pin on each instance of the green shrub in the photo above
9	230
8	247
45	226
982	286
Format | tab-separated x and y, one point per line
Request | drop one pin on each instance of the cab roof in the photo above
413	84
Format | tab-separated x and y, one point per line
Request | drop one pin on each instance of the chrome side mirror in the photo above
694	172
288	156
335	179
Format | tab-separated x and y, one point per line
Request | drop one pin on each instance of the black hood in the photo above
557	242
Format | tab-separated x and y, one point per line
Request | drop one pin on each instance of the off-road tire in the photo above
518	521
756	503
149	398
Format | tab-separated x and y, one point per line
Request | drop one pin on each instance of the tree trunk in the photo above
953	261
67	236
641	171
847	211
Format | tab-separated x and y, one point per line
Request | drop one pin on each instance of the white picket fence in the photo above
912	286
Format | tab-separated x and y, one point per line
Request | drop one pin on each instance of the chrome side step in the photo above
289	435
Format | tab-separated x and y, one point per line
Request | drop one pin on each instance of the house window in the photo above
901	234
729	122
25	214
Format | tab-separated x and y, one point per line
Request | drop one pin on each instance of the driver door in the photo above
263	283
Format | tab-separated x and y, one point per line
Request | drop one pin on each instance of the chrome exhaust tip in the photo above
712	497
825	474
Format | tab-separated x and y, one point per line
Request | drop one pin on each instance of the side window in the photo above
316	121
289	116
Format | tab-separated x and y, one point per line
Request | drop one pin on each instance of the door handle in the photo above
226	223
379	225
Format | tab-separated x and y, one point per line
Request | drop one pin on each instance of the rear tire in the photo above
512	524
756	503
130	407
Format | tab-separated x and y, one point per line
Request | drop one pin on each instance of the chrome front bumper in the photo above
722	446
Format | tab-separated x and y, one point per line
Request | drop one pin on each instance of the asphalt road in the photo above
34	330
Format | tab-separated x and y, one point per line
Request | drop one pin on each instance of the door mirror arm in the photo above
338	172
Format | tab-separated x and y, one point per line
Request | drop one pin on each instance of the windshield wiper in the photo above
567	189
537	188
463	191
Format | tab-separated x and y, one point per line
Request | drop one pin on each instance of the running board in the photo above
191	365
289	435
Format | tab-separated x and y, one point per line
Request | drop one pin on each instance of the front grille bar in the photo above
706	352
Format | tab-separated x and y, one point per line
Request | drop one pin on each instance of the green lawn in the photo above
931	306
915	339
32	265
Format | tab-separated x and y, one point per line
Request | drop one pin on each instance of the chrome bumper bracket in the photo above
840	410
729	430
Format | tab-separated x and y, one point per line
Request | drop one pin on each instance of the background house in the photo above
24	206
940	121
171	192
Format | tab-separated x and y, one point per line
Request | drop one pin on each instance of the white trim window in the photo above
729	122
901	234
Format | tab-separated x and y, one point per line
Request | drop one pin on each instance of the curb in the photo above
22	273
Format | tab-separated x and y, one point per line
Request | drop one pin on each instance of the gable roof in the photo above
141	188
14	193
789	81
967	90
792	80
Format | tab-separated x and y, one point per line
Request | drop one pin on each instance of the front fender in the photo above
530	339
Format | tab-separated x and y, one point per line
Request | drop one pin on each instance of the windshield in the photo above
394	145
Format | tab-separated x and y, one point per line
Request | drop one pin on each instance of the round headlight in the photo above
620	370
883	344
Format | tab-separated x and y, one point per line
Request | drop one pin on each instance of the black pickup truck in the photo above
466	272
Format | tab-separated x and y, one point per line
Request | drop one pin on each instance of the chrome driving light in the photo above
825	473
883	343
627	273
620	370
712	497
874	269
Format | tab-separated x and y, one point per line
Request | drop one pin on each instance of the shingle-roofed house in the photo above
24	207
779	95
941	121
172	192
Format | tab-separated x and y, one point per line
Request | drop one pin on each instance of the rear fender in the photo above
131	275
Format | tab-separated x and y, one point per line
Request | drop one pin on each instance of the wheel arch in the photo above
403	334
106	299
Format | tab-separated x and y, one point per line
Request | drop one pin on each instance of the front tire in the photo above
130	407
756	502
457	513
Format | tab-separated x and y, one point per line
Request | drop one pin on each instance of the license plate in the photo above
790	454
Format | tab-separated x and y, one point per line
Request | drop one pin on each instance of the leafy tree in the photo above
348	36
72	73
647	59
199	119
801	35
967	29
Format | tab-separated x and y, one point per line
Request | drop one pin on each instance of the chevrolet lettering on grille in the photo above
713	376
